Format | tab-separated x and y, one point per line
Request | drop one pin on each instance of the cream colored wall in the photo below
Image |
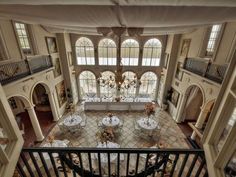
9	38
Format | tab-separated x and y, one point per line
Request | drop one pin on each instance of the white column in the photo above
35	123
200	121
53	106
181	108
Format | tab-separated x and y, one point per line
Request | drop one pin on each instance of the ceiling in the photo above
155	16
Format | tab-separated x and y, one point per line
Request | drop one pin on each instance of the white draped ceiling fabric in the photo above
154	16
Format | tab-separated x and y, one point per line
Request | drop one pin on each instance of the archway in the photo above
26	119
43	107
193	103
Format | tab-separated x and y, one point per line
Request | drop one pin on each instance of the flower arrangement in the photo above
105	135
51	139
110	115
150	109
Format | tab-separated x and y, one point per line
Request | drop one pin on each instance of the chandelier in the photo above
119	80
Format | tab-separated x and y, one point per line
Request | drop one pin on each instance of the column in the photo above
137	87
53	106
181	108
200	122
35	123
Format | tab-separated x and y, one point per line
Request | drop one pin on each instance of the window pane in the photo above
130	52
107	51
85	49
213	38
151	51
148	85
87	82
227	129
230	169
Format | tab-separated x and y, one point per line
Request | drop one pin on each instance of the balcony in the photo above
98	162
13	71
206	69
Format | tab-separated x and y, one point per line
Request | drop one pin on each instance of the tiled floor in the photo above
170	135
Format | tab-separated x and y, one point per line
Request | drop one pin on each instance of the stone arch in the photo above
51	98
188	106
26	101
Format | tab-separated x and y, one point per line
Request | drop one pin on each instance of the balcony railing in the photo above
98	162
13	71
206	69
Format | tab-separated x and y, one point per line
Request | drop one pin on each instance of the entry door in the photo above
11	140
220	136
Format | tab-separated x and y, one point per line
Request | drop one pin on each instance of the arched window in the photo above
151	53
107	52
87	82
130	91
130	52
148	85
105	90
84	51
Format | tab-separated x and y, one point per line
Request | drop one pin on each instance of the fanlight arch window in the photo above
148	85
87	82
107	52
128	91
152	53
84	51
130	52
106	90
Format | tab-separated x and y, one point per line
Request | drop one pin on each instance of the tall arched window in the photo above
87	82
148	85
151	53
107	52
128	92
130	52
105	90
84	51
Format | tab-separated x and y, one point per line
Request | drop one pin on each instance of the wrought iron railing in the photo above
13	71
206	69
98	162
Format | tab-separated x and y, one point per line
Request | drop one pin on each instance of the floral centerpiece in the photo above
51	139
149	110
105	135
110	115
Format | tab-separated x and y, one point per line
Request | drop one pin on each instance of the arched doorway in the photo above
26	119
43	107
193	104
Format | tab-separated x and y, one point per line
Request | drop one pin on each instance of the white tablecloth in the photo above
73	120
111	122
147	124
103	156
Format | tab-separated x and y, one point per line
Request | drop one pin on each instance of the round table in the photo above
111	122
147	124
72	121
103	156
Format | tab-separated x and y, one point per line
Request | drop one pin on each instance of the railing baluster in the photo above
183	165
203	162
35	164
127	165
109	164
81	163
71	158
63	165
44	163
53	164
174	165
22	155
146	164
20	170
157	158
90	163
137	162
99	164
118	164
192	165
164	166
